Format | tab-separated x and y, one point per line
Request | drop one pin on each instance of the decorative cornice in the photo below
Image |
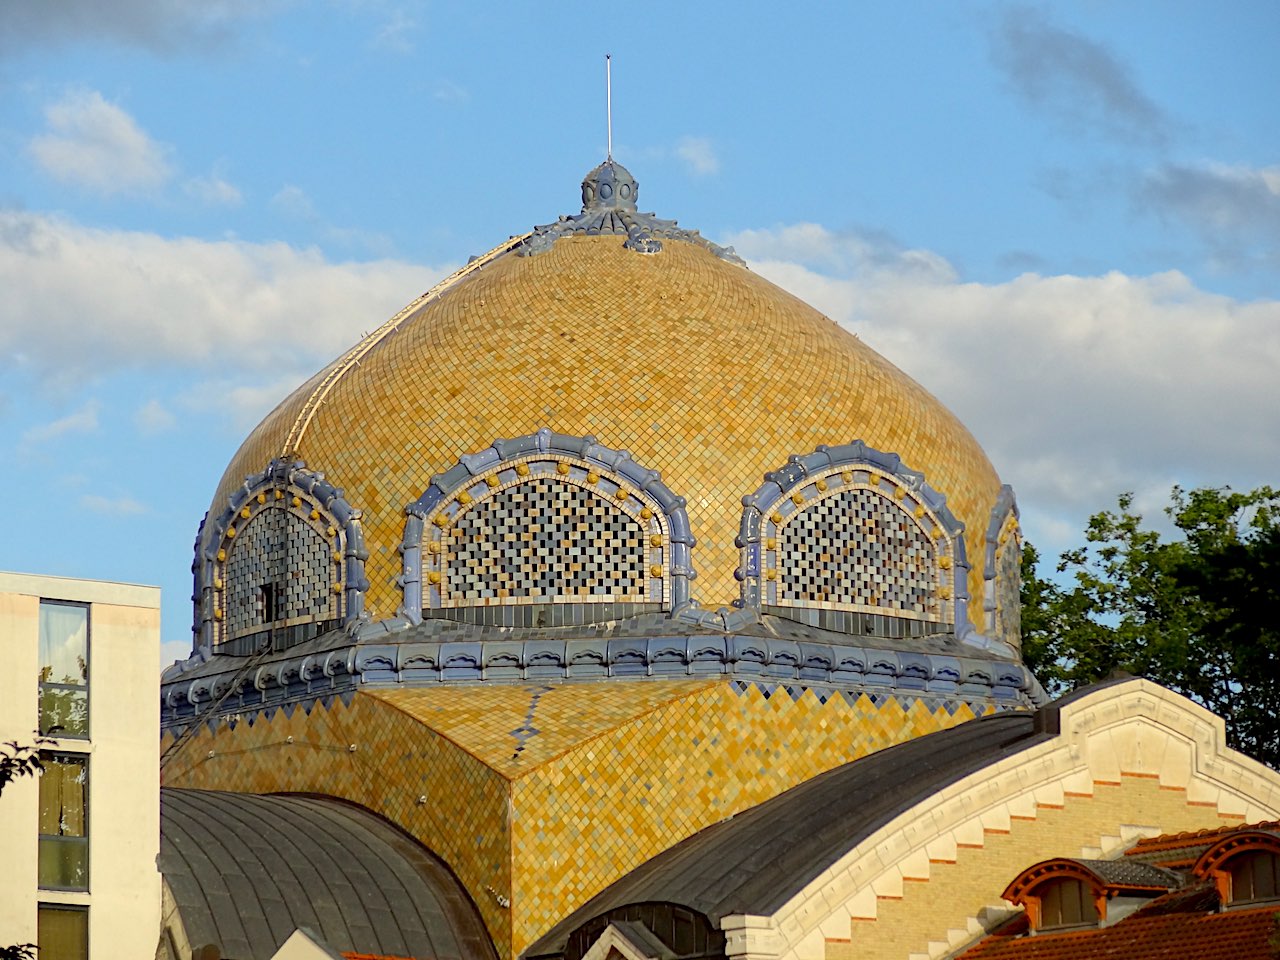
775	665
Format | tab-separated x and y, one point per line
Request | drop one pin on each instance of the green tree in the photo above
17	760
1196	613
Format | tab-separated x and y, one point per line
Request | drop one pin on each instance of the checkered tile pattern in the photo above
545	540
281	551
1008	587
858	549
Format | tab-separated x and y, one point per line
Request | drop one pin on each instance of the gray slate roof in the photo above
247	870
1131	873
753	863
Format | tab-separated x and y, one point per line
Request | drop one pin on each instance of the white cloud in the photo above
244	402
446	91
833	254
1078	387
396	34
699	156
84	420
112	506
294	203
214	191
96	145
78	301
152	417
162	25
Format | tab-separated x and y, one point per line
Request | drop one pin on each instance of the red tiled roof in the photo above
372	956
1172	841
1234	935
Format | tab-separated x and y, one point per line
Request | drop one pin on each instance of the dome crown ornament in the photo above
609	186
609	194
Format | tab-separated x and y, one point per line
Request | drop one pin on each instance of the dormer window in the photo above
1066	904
1255	878
1074	894
1245	866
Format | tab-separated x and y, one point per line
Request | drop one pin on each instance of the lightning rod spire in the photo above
608	101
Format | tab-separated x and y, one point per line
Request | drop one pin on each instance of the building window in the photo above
64	669
64	822
63	932
1066	903
1255	877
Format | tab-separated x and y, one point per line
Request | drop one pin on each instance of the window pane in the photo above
64	643
64	710
64	863
1254	877
63	933
1066	903
64	669
64	821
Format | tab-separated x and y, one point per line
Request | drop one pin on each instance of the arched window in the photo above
1255	877
279	568
848	539
545	530
283	563
1002	572
1244	865
1065	903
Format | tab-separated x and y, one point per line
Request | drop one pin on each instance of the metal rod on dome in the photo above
608	101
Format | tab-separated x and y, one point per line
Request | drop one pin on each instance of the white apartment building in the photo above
78	844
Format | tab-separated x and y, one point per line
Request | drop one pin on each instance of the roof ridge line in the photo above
353	356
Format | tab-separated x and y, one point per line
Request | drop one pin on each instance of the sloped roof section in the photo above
755	862
1234	935
247	870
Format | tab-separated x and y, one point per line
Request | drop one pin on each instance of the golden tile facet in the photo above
613	774
719	378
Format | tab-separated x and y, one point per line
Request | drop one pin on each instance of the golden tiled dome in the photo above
696	366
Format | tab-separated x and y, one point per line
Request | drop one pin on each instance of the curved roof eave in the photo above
754	862
247	870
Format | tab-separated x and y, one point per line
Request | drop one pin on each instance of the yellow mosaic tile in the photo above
484	722
586	818
615	774
450	801
701	369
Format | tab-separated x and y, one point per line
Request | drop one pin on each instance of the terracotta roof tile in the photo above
1235	935
1194	838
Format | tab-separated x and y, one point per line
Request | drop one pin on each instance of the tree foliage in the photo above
18	760
1198	613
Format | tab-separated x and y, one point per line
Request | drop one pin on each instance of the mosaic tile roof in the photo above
540	795
755	861
697	367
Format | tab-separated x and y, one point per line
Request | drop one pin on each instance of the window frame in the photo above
62	733
45	906
1232	868
45	840
1087	901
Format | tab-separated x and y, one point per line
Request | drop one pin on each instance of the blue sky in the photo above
1063	220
